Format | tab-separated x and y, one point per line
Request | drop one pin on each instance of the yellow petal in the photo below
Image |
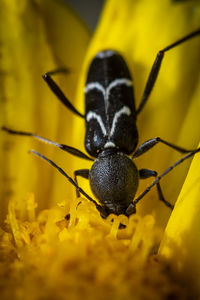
36	37
138	30
181	241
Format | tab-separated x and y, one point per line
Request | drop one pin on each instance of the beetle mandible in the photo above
111	133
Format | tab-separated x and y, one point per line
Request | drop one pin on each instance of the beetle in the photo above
111	135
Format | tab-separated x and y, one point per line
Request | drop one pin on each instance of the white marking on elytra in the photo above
113	84
125	110
106	91
94	85
116	82
106	53
92	115
109	145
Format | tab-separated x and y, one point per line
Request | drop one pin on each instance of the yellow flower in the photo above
63	249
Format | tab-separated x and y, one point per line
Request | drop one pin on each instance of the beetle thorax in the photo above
114	181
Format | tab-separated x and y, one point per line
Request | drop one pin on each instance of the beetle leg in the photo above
57	91
83	173
58	70
134	202
156	67
146	173
98	207
152	142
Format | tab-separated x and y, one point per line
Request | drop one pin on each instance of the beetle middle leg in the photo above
152	142
146	173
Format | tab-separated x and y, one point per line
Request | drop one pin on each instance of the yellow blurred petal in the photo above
36	37
139	29
181	241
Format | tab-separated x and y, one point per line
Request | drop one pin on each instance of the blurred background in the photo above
88	10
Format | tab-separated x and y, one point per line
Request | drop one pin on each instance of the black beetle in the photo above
111	133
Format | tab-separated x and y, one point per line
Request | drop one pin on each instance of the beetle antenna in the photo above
63	147
161	176
99	207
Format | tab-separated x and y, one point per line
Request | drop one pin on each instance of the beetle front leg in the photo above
98	207
157	179
146	173
83	173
